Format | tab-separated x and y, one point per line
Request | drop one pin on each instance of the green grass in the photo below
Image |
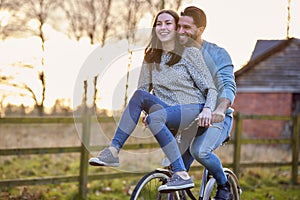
268	183
256	183
261	187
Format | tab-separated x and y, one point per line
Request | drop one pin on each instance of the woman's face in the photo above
165	27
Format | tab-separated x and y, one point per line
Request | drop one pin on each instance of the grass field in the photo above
257	183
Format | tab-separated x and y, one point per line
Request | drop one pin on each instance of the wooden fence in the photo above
86	121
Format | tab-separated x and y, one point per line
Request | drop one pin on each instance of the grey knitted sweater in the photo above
187	82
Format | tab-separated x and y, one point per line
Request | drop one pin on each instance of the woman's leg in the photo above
141	100
178	117
159	123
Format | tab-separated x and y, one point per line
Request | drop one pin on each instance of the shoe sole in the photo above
174	188
97	162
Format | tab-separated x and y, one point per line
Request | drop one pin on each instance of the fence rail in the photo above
86	121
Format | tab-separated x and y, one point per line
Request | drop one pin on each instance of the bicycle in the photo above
147	187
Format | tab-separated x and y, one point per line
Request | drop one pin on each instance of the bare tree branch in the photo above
105	21
88	18
75	18
10	24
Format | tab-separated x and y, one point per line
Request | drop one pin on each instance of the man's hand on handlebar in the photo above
217	116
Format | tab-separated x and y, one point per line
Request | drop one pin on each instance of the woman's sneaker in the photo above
176	183
105	158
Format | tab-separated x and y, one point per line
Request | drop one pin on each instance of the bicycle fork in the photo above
203	184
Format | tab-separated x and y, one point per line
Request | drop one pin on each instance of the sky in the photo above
235	25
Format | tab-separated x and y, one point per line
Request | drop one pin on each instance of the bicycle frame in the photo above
203	183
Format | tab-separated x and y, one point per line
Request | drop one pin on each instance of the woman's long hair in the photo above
153	51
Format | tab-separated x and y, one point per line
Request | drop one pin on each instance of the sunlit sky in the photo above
235	25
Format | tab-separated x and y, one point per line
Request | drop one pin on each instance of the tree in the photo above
14	86
95	19
132	16
288	19
90	18
61	107
28	18
38	12
10	25
156	5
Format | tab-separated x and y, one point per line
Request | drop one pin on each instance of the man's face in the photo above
187	29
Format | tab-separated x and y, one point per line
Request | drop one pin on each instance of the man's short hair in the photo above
197	14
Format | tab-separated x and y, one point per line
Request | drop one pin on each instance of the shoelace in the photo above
103	155
173	179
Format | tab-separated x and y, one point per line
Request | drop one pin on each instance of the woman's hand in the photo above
205	118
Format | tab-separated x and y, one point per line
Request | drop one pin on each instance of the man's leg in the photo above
188	159
202	150
224	133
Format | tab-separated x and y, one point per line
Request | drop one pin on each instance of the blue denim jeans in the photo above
203	145
161	118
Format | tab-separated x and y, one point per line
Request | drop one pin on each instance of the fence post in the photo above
237	143
295	145
84	156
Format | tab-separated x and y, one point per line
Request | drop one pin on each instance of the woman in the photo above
182	87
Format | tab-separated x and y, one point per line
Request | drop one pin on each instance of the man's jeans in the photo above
160	119
203	145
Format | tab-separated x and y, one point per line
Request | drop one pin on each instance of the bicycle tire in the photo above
211	186
234	184
147	187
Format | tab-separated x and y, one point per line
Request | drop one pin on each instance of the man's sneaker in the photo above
105	158
223	192
176	183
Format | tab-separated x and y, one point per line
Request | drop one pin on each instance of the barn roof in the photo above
274	66
265	48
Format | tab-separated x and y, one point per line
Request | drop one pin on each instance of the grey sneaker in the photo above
105	158
176	183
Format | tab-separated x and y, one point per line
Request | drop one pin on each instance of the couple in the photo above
182	77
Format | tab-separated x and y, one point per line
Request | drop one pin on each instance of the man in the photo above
191	26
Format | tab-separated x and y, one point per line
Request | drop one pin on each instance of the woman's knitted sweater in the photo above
187	82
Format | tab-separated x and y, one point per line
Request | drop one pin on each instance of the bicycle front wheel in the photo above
234	184
211	186
147	187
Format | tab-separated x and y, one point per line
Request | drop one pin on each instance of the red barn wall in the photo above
264	104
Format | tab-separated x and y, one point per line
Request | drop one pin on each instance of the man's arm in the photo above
223	73
227	88
219	114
